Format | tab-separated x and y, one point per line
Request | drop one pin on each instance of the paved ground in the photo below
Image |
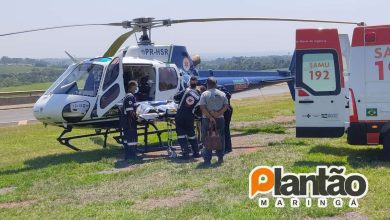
271	90
20	113
15	115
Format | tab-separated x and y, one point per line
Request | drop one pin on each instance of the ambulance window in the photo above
167	78
318	72
112	73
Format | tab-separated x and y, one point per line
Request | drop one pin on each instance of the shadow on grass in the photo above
120	164
100	141
239	134
56	159
202	166
73	156
356	157
183	161
294	142
88	156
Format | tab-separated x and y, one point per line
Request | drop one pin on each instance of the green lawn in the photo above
262	107
34	86
56	183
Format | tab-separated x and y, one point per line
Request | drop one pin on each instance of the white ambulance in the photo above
341	88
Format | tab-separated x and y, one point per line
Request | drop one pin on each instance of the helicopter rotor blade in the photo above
50	28
118	43
198	20
148	23
125	24
168	22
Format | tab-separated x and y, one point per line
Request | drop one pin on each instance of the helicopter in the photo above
89	92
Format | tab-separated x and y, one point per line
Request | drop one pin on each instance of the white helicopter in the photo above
89	92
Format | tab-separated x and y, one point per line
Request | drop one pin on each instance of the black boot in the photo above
195	148
184	146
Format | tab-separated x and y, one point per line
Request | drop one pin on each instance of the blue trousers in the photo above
185	131
207	154
130	139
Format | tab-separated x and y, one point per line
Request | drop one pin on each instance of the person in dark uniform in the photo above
228	117
129	122
144	89
187	100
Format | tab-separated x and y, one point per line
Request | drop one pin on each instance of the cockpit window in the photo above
83	80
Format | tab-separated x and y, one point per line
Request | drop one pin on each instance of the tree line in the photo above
23	71
4	60
36	75
248	63
48	70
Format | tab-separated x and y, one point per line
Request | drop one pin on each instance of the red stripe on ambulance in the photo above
371	36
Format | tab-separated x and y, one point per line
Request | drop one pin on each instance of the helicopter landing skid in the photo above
66	140
145	128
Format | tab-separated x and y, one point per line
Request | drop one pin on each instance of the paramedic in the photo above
187	100
129	122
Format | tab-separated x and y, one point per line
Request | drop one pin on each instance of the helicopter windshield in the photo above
83	80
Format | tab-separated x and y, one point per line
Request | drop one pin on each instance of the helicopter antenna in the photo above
71	57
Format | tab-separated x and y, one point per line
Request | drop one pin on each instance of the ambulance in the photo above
342	87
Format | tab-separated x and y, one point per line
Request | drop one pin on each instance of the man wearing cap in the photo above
213	104
184	120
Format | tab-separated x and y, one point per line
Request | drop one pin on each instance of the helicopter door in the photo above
111	89
168	82
320	92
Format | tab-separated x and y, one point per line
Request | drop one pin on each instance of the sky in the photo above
211	39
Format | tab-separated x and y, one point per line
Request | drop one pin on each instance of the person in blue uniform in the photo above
129	122
187	100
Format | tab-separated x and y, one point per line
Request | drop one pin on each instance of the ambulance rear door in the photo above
320	96
375	101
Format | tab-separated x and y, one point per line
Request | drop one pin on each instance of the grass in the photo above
65	184
261	108
269	128
29	87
